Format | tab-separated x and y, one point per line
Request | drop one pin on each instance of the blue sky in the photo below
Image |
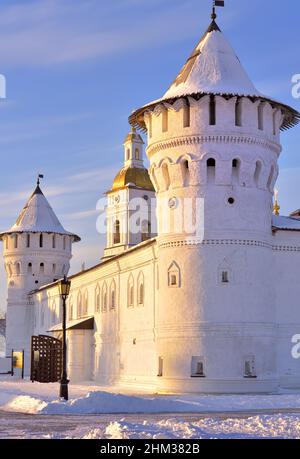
75	69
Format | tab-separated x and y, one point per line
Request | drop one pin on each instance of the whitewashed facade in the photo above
182	311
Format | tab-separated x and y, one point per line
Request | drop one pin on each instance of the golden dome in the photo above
136	176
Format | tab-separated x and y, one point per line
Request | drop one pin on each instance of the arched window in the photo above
258	168
130	294
53	241
140	292
212	111
113	295
29	268
117	233
85	303
42	268
27	240
185	172
186	116
16	241
53	268
41	240
104	297
137	153
71	312
236	169
165	121
166	175
97	299
174	275
211	169
79	305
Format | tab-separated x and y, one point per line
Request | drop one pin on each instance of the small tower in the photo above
132	191
37	251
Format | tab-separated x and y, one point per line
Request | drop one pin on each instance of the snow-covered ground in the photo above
35	398
129	415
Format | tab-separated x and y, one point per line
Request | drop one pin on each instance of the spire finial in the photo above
216	3
40	176
276	207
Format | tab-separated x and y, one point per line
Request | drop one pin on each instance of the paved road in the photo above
16	425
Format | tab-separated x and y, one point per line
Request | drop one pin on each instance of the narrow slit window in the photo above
53	241
261	116
212	111
160	367
165	121
186	116
41	240
238	113
28	240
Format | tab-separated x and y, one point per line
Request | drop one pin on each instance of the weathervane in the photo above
215	4
40	176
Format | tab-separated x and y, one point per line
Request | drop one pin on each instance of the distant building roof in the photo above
38	216
280	222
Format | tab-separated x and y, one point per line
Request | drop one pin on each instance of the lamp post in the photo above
64	290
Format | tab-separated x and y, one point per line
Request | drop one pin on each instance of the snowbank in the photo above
25	397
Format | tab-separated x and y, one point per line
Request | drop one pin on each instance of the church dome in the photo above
134	176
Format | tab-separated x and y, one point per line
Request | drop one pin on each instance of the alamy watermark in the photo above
2	87
296	348
177	216
296	86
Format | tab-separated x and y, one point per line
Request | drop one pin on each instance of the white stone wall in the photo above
122	347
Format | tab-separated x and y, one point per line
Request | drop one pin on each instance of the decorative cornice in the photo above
200	139
241	242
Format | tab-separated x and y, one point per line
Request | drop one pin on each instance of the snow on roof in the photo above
280	222
213	68
38	216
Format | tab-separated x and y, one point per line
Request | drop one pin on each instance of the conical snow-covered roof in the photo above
38	216
213	68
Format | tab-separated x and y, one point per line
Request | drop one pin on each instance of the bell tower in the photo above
130	201
37	251
213	146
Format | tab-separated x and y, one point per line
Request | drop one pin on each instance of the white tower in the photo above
37	251
132	194
213	136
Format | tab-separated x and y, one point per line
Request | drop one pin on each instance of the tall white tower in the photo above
214	137
37	251
132	194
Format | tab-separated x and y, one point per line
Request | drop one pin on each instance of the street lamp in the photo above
64	290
